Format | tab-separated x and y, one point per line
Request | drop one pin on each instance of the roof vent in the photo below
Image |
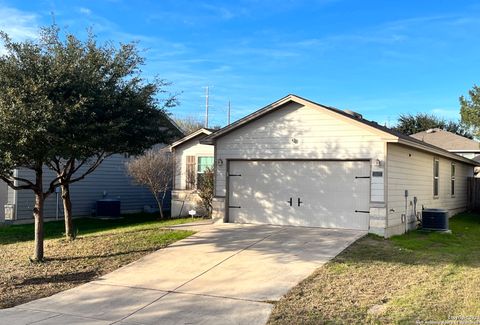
430	131
354	114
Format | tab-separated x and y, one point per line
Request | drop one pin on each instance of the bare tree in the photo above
189	124
205	190
154	169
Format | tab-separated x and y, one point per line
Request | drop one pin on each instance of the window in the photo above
203	164
452	180
436	172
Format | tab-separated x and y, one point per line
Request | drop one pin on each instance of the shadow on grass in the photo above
76	277
55	229
100	256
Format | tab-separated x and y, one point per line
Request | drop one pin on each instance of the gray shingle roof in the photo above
447	140
407	140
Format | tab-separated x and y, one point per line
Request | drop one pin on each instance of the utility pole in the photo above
206	107
228	114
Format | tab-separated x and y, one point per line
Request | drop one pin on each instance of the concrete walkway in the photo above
224	274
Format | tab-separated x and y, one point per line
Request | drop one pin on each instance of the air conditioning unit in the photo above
108	208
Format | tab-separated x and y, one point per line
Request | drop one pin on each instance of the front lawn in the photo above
101	247
414	277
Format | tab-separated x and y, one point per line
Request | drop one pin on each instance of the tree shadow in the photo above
71	277
101	256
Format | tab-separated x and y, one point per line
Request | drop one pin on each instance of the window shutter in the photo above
190	173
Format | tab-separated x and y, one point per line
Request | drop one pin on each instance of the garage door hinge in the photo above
234	174
234	206
361	211
362	176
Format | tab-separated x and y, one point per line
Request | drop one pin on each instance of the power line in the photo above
228	114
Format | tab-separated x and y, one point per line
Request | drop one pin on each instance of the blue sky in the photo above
380	58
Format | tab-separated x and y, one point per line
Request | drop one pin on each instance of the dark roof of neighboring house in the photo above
447	140
406	140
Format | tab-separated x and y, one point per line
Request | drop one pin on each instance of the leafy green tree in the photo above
67	104
410	124
470	109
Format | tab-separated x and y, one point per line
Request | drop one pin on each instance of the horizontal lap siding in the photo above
189	148
110	176
412	170
3	198
320	135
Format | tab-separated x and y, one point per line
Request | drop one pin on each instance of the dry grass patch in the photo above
69	264
419	276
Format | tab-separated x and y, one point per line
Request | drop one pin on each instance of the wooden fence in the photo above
473	194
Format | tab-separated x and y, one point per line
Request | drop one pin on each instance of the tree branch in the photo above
11	182
53	184
100	158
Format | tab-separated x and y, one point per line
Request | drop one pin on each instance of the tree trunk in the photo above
160	206
67	212
38	215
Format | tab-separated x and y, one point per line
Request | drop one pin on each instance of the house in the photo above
296	162
192	158
109	181
450	141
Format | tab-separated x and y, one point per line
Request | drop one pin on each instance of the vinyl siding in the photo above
189	148
3	199
185	200
319	134
110	176
412	170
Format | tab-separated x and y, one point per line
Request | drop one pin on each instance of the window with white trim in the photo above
452	180
436	176
203	164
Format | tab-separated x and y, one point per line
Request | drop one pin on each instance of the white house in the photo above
192	158
296	162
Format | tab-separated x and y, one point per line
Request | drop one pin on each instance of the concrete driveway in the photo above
224	274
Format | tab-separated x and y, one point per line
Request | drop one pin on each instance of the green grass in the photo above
420	276
459	247
56	229
100	247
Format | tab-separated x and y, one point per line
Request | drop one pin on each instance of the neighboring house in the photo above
296	162
450	141
192	158
109	180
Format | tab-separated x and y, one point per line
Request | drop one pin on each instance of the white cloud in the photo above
84	11
447	113
17	24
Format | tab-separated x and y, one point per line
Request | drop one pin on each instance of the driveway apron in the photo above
224	274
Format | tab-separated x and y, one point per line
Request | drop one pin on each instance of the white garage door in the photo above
333	194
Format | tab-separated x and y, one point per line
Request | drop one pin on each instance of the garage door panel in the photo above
328	190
